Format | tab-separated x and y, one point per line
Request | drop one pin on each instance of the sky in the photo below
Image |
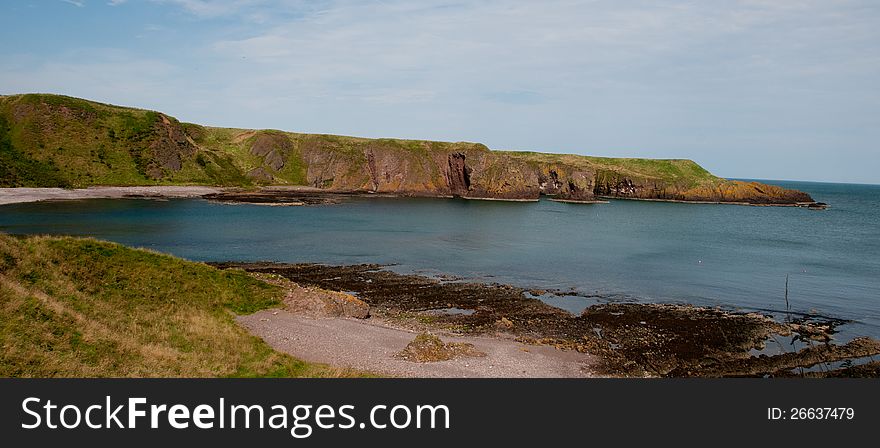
765	89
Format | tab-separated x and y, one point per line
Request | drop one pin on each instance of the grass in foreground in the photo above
83	308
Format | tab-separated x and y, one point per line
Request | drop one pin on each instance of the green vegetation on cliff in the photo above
84	308
51	140
677	171
17	169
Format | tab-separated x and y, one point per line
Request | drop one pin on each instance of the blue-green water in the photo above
732	256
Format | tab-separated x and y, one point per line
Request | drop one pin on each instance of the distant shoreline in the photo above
283	195
811	205
25	194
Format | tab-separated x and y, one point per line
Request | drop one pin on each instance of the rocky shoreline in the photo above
808	205
295	196
337	328
628	339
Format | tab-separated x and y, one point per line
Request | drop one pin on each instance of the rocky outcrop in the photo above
260	174
427	347
273	147
168	147
611	185
313	301
458	175
568	183
749	192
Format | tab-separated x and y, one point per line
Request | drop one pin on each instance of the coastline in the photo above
372	345
337	328
809	205
290	195
575	201
476	198
26	194
612	339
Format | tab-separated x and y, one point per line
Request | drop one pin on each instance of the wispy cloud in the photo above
215	8
665	79
76	3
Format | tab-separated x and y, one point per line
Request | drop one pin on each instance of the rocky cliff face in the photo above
472	171
168	147
615	185
68	141
458	174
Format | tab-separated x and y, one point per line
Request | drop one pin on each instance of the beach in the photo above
516	336
21	195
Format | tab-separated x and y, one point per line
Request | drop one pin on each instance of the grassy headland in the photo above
59	141
83	308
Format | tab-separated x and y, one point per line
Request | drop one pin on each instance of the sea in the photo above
571	255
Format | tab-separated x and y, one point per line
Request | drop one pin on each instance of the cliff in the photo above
51	140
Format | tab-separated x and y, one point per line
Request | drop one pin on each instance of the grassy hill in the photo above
83	308
52	140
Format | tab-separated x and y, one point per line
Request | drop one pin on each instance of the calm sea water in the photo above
730	256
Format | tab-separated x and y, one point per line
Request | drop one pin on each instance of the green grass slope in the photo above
84	308
53	140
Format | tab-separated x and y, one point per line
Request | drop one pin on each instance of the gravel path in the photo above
371	345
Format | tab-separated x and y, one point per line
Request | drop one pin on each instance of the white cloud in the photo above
76	3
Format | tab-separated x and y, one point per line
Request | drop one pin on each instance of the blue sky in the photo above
774	89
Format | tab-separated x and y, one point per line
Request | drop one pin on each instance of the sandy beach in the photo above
18	195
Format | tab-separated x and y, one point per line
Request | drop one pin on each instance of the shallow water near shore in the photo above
715	255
